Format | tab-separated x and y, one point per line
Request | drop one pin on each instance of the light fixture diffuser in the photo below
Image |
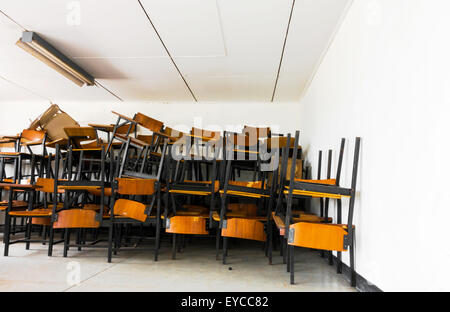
45	52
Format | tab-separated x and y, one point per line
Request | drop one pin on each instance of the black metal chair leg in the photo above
66	242
330	257
44	236
110	241
6	235
78	239
291	262
270	244
352	261
339	263
174	246
225	250
288	258
50	240
217	242
28	232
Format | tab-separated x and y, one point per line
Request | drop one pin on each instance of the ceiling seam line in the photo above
107	90
282	51
167	51
26	89
12	20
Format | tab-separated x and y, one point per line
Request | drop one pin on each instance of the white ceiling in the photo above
226	50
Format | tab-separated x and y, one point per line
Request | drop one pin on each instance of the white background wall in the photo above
386	78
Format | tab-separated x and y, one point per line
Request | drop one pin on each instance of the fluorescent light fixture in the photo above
44	51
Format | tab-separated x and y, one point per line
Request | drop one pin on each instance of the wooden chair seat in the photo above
314	194
245	194
197	183
76	218
195	225
326	181
130	209
187	192
33	213
13	154
279	221
98	192
15	204
250	185
241	215
132	139
41	221
319	236
244	228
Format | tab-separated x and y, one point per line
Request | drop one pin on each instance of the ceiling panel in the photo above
254	33
106	28
189	28
228	50
312	27
113	41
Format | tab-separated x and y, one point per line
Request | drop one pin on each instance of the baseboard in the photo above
362	284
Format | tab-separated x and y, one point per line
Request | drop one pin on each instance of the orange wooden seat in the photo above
188	225
98	192
32	213
15	204
244	228
76	218
252	185
318	236
130	209
41	221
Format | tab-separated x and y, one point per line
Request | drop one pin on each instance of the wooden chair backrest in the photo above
205	133
32	135
238	139
259	132
124	129
173	133
148	122
45	185
127	186
88	133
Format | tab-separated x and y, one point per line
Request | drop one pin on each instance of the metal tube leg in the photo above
79	239
288	258
28	232
110	241
66	242
217	243
224	250
50	240
339	263
6	235
174	246
117	237
330	257
352	261
270	244
291	262
158	224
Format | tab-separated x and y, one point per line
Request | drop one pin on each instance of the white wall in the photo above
386	78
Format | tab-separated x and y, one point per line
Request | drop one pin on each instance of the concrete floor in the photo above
195	269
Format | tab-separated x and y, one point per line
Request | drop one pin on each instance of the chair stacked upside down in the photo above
138	183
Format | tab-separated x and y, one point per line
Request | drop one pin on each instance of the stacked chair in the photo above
138	179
